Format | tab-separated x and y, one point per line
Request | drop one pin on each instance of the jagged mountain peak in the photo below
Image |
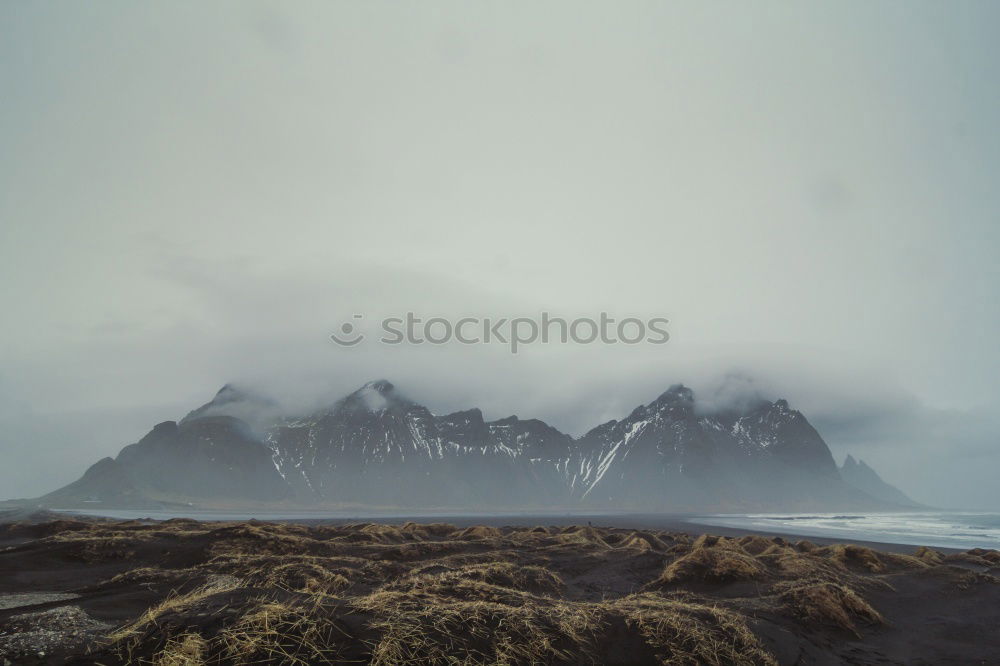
859	474
164	429
237	401
677	393
858	465
375	396
773	413
379	385
672	446
678	400
229	392
104	482
469	415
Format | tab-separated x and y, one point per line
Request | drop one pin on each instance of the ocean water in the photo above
943	529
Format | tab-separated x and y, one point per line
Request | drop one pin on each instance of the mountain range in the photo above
377	448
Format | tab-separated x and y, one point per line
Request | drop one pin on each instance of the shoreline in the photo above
691	523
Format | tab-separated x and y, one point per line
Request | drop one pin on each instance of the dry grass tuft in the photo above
639	540
281	633
148	575
928	555
411	631
706	540
532	579
517	577
477	533
93	549
183	650
688	633
987	554
259	539
434	589
806	546
717	564
990	557
428	530
302	576
383	534
127	637
642	541
977	556
860	558
804	566
777	550
755	545
853	557
420	550
831	604
581	536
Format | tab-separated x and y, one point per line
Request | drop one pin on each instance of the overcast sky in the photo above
197	193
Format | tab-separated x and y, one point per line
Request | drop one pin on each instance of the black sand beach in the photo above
515	590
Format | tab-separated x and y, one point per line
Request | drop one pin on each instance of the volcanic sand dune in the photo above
188	592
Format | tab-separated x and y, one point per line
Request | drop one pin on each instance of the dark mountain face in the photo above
666	454
207	458
212	457
858	474
257	410
376	447
104	483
